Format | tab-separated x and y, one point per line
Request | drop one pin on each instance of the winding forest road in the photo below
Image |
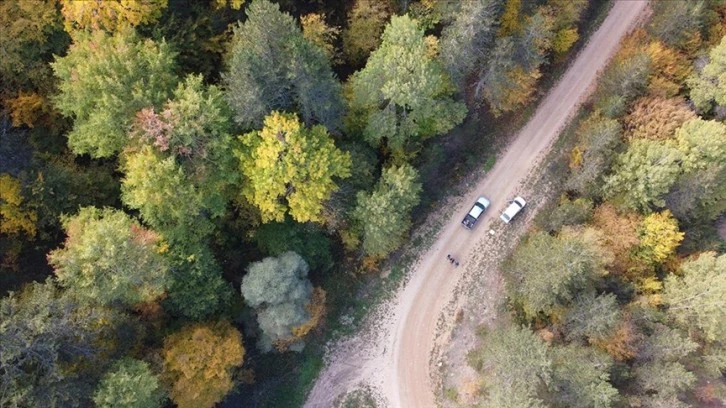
394	358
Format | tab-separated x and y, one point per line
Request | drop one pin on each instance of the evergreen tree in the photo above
272	66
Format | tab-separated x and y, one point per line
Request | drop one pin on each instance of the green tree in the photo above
678	23
197	289
708	86
643	174
308	240
383	215
129	383
278	289
198	361
592	317
665	344
703	143
516	366
663	381
580	378
598	139
48	344
569	212
165	196
272	66
191	140
287	160
698	297
699	194
109	258
366	21
403	95
467	42
104	81
547	271
623	80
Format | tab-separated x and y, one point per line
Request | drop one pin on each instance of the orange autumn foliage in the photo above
622	344
620	234
198	361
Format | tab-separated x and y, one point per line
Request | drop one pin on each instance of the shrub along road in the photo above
394	357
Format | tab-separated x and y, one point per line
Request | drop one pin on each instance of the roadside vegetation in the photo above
193	194
616	294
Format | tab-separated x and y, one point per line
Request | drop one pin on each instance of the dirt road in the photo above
394	359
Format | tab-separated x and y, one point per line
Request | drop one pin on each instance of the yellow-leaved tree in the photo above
14	218
290	168
109	15
198	360
659	237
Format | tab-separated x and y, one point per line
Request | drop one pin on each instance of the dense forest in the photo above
616	296
190	189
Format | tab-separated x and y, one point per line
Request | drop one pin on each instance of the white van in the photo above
513	209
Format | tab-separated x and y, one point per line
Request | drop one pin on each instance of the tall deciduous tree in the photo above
403	95
318	32
644	173
598	138
32	33
698	298
109	258
165	196
514	68
129	383
279	291
189	149
383	216
657	118
366	21
703	143
708	86
43	334
580	378
272	66
15	215
104	81
467	42
659	237
567	14
110	15
547	271
516	363
623	81
197	289
679	23
286	160
592	317
198	361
